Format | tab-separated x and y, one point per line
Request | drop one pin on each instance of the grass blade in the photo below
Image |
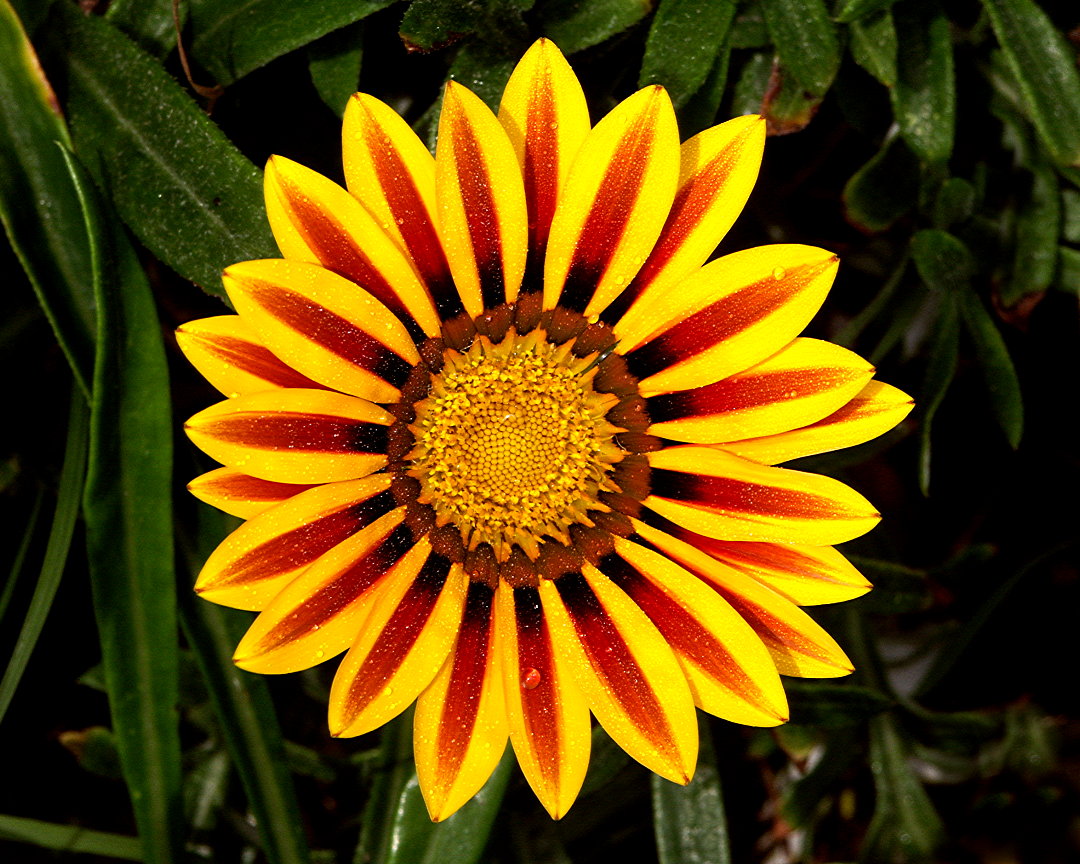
128	511
247	717
69	497
69	838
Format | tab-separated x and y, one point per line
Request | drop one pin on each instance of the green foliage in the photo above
935	146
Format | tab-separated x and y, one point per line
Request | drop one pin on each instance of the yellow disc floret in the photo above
512	445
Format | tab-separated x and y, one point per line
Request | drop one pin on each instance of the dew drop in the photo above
531	680
779	273
320	654
388	691
553	125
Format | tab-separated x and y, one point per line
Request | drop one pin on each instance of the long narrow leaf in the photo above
69	838
21	554
175	180
233	38
128	511
1044	66
999	373
38	204
248	721
689	821
69	497
805	41
924	98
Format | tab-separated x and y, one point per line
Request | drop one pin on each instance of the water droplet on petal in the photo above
531	680
779	273
388	691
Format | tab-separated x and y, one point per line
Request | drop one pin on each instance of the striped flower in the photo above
505	440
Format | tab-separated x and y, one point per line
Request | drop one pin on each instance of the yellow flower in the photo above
503	436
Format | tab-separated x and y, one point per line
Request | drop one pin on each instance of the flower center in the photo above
512	444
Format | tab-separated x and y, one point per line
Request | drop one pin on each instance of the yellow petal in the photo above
401	648
548	715
318	614
390	171
801	383
238	494
871	412
294	436
484	223
718	168
544	114
720	495
729	670
261	557
797	644
314	219
806	575
228	354
325	326
460	730
732	313
616	200
628	673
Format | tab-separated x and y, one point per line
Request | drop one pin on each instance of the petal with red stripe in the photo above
714	493
483	219
718	168
325	326
390	171
729	671
262	556
628	673
318	614
545	116
294	436
315	220
460	729
548	715
873	411
239	494
806	575
403	644
616	199
229	354
732	313
798	385
796	643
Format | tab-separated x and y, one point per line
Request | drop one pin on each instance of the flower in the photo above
504	437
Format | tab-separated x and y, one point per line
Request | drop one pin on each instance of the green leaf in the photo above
943	262
1044	66
689	821
15	573
1068	270
38	205
484	68
69	497
231	38
905	828
805	41
683	43
127	506
874	46
415	839
940	371
955	202
575	25
149	22
828	705
749	30
69	838
884	189
853	10
1070	215
700	110
803	800
999	374
334	63
751	85
174	178
244	711
897	589
924	98
1038	225
432	24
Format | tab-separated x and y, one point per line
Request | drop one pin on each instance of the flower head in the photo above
504	437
